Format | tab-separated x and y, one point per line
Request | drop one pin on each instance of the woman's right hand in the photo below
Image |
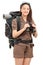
26	25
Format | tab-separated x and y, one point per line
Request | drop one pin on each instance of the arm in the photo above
16	33
35	34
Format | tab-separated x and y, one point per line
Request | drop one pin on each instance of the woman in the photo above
23	52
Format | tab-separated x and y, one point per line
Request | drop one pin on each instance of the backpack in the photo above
8	27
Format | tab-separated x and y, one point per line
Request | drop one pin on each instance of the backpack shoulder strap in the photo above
18	23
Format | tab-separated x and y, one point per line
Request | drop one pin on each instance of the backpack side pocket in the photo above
7	30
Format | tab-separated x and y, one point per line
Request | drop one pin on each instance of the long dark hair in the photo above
29	16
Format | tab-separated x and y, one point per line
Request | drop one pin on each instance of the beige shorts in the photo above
22	50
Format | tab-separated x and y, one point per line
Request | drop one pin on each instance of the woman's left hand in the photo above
33	25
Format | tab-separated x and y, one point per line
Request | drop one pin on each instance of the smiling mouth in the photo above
25	12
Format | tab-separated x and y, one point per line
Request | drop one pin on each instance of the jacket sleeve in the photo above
35	33
14	24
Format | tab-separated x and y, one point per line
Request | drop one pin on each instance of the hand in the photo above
26	25
33	25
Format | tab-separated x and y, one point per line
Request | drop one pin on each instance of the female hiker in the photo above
23	51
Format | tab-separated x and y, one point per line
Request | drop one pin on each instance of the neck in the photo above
24	18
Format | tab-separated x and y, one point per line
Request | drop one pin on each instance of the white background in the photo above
6	55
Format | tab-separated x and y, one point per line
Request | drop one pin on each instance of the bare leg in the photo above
26	61
19	61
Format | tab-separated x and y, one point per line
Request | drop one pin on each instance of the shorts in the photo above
22	50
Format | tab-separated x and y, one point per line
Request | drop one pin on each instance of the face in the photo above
25	10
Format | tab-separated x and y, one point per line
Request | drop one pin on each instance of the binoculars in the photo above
30	29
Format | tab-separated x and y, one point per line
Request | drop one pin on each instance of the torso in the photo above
25	35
